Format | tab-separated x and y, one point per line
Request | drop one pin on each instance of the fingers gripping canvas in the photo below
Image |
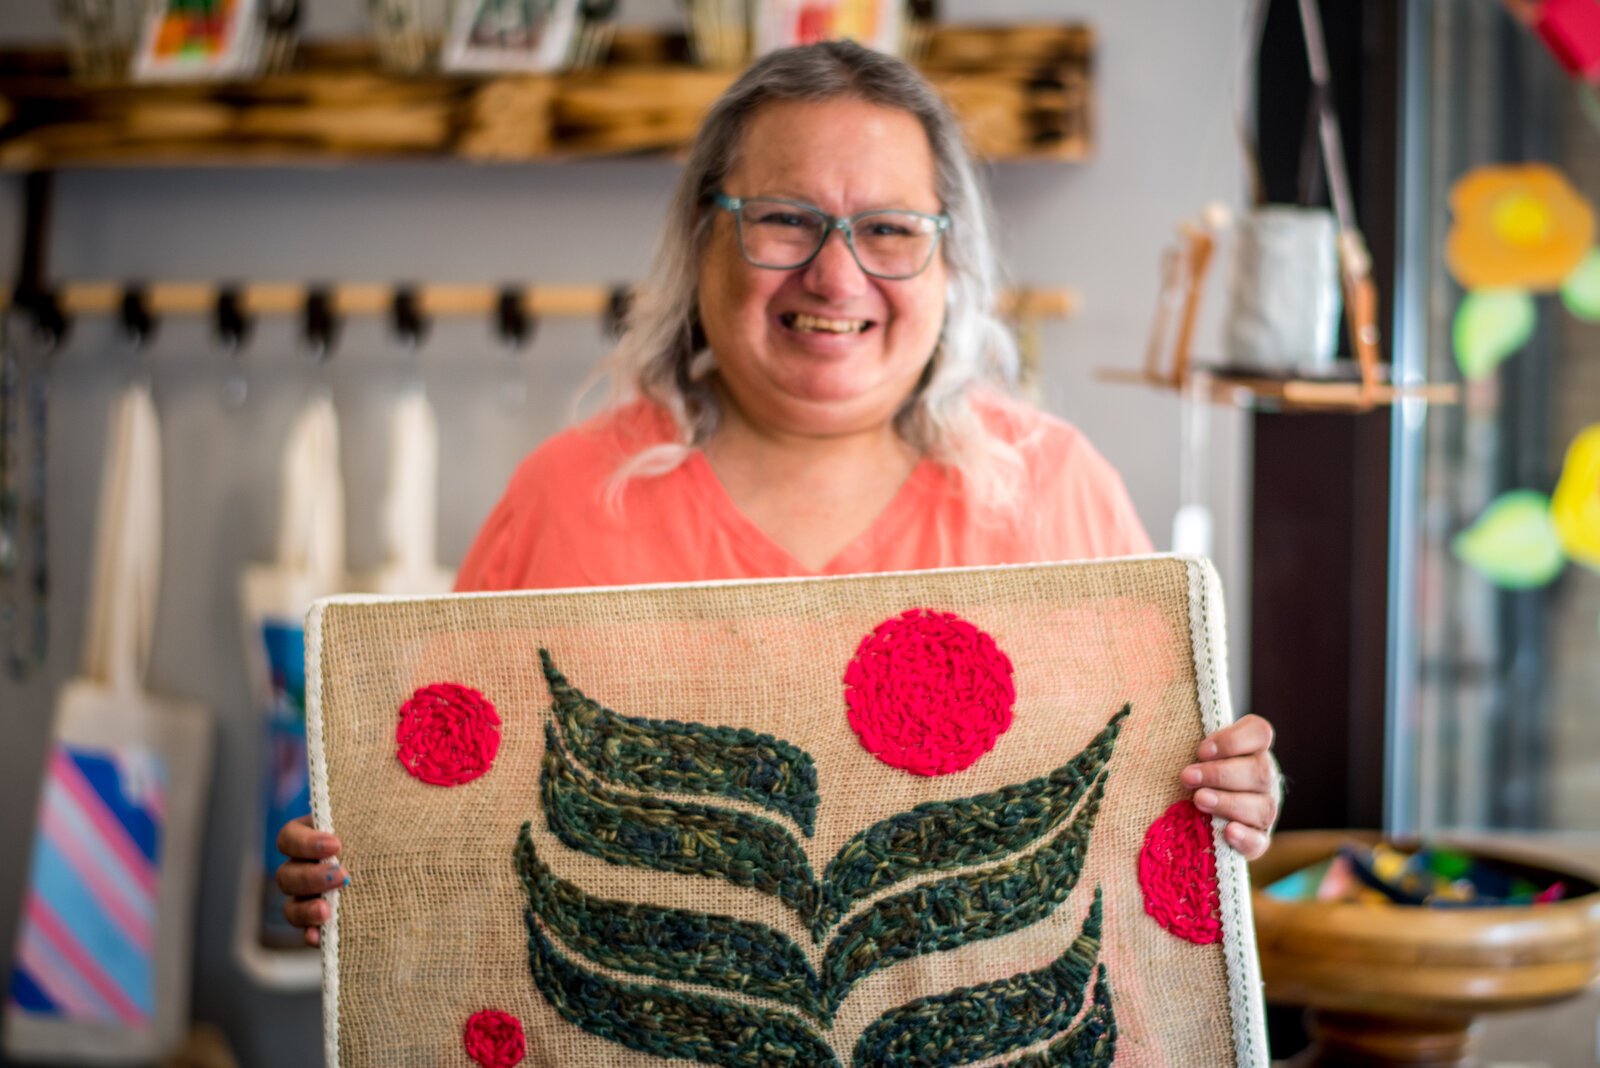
915	819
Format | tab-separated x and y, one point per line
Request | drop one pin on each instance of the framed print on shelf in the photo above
198	40
874	23
510	35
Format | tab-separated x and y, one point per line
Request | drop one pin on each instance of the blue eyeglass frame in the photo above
844	224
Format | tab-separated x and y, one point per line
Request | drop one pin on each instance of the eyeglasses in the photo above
782	235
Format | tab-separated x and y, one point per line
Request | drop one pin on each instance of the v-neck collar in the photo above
773	558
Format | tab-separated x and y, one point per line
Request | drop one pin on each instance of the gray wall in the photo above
1164	149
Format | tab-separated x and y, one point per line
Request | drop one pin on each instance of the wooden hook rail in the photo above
434	300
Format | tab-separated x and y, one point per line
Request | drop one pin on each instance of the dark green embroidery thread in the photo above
1091	1044
669	756
673	836
943	835
962	1026
670	1023
978	1022
663	943
954	912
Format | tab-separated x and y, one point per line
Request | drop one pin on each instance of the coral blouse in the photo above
553	529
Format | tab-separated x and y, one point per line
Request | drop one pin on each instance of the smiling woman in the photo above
814	382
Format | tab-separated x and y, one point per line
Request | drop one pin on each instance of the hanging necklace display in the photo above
24	555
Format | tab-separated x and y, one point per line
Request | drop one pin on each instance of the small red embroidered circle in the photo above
1178	874
928	692
448	734
494	1039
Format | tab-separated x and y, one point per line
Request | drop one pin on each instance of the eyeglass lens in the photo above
892	244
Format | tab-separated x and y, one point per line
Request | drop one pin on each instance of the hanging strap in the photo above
311	513
127	559
410	510
1355	262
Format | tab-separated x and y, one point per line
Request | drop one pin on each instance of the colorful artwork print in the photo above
681	839
85	949
783	23
286	785
511	35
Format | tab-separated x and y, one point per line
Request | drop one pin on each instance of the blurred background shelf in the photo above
1023	92
1287	394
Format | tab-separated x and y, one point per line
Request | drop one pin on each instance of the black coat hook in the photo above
43	308
515	326
321	326
138	325
617	308
229	320
406	317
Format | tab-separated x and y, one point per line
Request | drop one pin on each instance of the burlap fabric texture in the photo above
913	819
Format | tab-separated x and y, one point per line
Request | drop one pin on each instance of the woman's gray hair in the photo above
662	355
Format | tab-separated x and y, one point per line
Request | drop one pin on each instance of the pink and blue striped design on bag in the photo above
86	949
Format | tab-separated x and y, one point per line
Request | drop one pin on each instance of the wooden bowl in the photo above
1408	960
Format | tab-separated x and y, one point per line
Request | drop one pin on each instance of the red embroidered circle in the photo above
448	734
928	692
1178	874
494	1039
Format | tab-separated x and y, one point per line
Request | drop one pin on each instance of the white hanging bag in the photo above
100	970
310	564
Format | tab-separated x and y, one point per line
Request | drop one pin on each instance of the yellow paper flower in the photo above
1575	505
1516	227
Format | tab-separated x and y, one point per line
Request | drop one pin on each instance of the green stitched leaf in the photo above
670	1023
978	1022
1091	1044
950	913
945	835
675	836
692	947
666	755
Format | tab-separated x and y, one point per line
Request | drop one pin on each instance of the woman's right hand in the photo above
312	870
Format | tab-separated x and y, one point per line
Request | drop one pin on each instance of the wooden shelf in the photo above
1023	92
1291	394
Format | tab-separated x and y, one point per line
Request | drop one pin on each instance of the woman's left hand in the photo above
1237	779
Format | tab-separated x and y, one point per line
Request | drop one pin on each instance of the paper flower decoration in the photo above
1575	507
1491	325
1581	291
1518	230
1517	227
1514	543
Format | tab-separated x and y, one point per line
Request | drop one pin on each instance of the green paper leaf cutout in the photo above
950	913
1490	326
670	1023
945	835
1514	542
668	756
1580	292
673	836
979	1022
663	943
1091	1044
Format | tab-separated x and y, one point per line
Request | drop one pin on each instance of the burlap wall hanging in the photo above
914	819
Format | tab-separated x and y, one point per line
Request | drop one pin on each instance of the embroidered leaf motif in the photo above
668	756
979	1022
954	912
944	835
670	1023
1091	1044
694	947
673	836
